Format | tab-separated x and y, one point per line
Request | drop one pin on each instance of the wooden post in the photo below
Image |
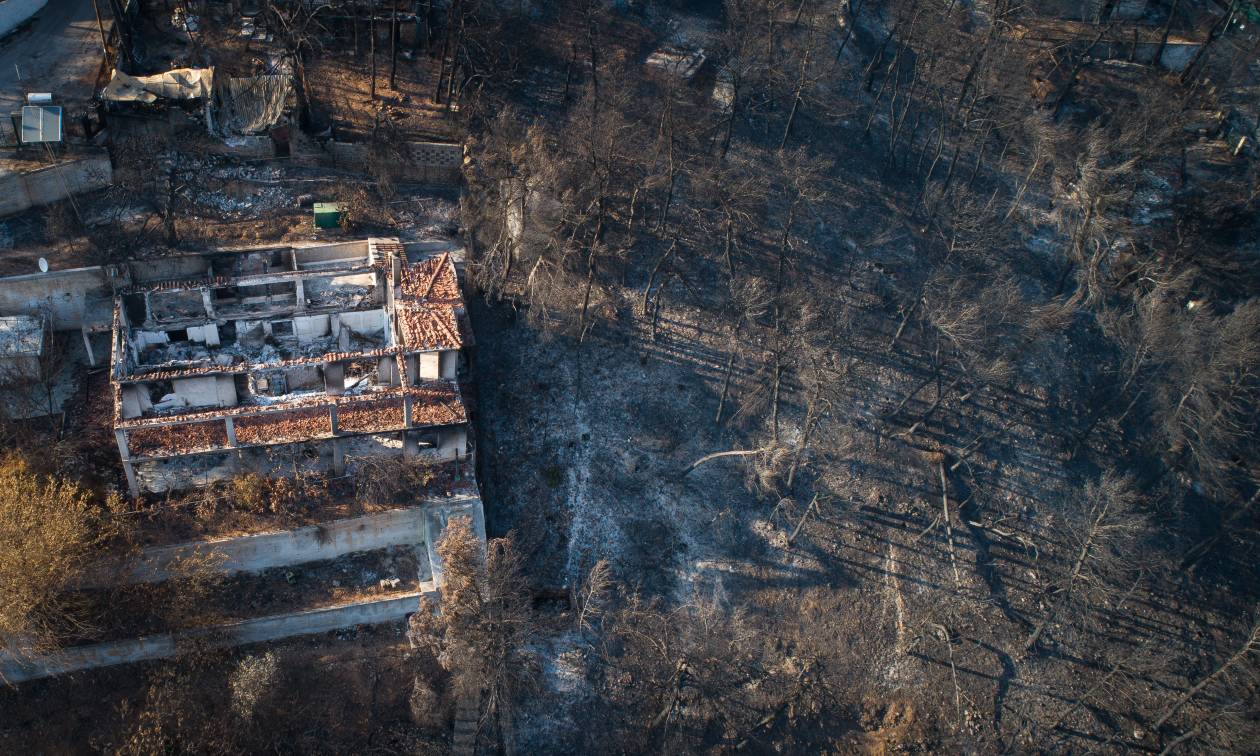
100	26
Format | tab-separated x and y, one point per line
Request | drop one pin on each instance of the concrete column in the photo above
133	486
87	344
148	307
121	437
334	378
301	295
411	445
208	303
231	431
332	419
406	410
339	458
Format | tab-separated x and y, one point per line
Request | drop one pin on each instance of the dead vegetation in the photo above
947	309
53	531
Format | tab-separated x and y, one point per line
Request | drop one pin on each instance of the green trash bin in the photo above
327	215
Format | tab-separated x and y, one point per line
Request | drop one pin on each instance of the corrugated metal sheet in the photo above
251	104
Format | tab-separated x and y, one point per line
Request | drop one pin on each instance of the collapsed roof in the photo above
176	84
250	104
21	335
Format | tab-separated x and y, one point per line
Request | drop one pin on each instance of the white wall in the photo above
135	401
430	366
310	327
450	364
207	334
142	339
207	391
366	322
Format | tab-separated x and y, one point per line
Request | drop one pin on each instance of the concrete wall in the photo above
22	191
311	256
177	266
430	366
365	322
429	162
310	327
259	630
207	391
261	551
439	516
450	364
13	13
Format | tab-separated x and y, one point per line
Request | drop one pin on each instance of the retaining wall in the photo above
65	295
263	629
261	551
430	162
22	191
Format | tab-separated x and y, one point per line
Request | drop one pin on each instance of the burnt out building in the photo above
287	360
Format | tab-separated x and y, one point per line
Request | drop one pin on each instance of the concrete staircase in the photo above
467	720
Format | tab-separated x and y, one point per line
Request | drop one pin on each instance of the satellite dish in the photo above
43	265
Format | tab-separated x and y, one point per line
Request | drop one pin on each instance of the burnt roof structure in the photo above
339	348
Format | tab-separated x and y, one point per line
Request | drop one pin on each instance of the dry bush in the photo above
52	532
392	480
173	717
249	492
259	494
61	221
483	637
253	679
181	600
675	675
429	710
766	470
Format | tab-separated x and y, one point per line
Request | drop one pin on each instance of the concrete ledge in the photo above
311	543
22	191
261	630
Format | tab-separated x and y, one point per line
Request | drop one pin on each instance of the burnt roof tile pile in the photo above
371	417
172	441
284	427
425	310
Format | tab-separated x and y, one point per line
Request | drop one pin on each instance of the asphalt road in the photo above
58	52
